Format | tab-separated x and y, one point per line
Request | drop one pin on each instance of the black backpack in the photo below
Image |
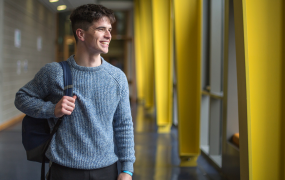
36	135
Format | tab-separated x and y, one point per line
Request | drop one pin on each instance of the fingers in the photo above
65	111
68	98
65	106
68	102
68	105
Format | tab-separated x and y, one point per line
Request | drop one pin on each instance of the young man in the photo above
97	118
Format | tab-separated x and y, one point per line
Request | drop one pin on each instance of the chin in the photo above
104	52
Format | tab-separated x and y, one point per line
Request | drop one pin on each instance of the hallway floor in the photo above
156	155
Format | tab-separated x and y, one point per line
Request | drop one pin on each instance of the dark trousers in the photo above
59	172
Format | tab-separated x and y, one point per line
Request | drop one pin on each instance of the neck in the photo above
84	58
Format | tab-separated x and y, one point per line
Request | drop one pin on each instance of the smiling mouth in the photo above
105	43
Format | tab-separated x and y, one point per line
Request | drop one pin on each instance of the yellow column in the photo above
188	36
146	32
138	52
259	66
283	100
162	38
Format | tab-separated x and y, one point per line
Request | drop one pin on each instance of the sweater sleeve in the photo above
123	129
30	98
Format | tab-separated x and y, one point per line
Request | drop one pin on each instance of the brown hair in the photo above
83	16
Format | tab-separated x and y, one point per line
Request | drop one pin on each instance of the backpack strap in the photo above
68	91
67	78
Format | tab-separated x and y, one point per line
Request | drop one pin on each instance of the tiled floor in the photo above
157	155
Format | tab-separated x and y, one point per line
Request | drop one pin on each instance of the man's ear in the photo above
80	34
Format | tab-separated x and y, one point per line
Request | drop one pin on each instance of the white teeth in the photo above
105	43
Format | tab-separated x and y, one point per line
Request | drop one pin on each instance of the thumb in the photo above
74	97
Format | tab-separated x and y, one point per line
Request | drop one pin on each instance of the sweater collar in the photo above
83	68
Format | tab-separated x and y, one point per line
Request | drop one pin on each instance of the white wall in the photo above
33	20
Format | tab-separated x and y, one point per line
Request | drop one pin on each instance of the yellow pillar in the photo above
283	100
138	52
188	36
146	32
259	28
162	38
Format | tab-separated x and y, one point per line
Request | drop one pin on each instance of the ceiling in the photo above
72	4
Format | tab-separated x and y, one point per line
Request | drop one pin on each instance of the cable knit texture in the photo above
100	121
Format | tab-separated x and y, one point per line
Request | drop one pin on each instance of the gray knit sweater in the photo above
100	121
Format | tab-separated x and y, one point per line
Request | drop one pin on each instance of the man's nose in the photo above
108	34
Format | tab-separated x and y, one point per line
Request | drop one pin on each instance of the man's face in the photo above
98	36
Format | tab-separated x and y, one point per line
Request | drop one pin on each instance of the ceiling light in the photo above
51	1
61	7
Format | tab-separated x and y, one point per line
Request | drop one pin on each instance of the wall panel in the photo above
33	20
1	49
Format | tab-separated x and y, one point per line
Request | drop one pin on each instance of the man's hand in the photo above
65	106
124	176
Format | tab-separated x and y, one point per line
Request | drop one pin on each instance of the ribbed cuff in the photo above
49	113
127	166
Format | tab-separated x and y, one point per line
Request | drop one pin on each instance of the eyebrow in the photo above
103	27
